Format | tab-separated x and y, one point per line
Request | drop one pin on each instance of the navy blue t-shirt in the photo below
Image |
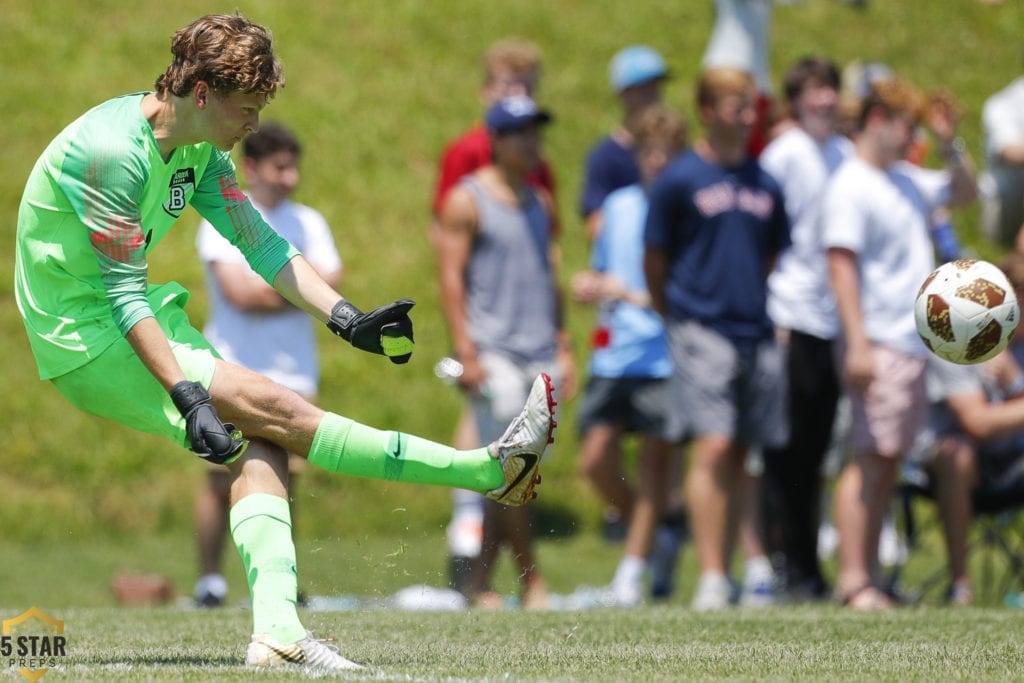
719	228
610	166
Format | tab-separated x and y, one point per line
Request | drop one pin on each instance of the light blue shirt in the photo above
636	345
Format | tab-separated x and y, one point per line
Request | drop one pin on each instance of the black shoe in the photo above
614	528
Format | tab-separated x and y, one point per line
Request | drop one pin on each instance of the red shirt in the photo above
471	151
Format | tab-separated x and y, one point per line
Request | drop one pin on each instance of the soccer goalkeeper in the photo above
101	196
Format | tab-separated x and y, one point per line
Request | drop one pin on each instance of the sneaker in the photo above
210	591
669	537
757	594
522	446
310	652
713	593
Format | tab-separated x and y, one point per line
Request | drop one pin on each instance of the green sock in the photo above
261	526
342	445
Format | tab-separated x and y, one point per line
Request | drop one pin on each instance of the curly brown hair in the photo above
228	52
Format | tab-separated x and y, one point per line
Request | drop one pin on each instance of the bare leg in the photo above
955	477
710	490
211	519
863	495
601	464
651	496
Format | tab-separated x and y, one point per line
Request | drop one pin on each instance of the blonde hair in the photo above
895	97
229	52
719	82
518	56
659	122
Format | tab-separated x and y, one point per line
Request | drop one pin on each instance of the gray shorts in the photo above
720	388
508	384
637	404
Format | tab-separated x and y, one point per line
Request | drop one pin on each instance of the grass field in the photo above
664	642
656	644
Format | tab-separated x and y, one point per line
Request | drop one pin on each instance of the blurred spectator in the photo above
637	75
499	290
740	38
715	226
251	324
801	306
875	226
629	363
1002	181
511	67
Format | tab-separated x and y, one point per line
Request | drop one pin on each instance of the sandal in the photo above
864	598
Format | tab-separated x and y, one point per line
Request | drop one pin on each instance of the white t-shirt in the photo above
280	345
739	39
799	296
1002	120
882	216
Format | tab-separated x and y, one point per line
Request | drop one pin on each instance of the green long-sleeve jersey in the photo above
98	199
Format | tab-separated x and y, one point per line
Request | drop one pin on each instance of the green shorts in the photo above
116	384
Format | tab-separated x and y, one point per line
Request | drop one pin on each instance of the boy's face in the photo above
229	118
506	82
731	119
520	149
652	156
896	134
273	177
817	105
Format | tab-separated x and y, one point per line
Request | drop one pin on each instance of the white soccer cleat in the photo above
310	653
522	446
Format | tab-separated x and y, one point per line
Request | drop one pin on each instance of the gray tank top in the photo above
510	296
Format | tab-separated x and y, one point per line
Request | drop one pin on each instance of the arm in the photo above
245	292
982	419
457	229
845	282
943	118
656	273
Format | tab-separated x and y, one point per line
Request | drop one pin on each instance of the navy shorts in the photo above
635	403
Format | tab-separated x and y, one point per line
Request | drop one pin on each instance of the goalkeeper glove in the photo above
386	330
211	439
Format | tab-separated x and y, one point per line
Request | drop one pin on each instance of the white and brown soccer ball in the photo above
966	311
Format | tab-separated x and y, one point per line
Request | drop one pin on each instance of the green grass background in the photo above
375	90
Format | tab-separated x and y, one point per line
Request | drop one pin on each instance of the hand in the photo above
386	331
859	366
473	378
943	116
211	439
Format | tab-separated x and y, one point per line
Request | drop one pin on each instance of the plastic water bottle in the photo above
449	370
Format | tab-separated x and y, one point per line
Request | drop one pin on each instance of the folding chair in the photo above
995	544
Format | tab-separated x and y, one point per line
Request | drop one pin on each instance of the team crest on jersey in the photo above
183	184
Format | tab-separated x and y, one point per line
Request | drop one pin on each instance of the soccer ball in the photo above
966	311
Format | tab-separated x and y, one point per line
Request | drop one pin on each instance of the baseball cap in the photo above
514	113
635	65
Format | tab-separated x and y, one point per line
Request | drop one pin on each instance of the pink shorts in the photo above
887	418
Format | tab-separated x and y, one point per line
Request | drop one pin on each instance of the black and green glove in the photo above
211	439
386	331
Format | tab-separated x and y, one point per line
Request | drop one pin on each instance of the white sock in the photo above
630	571
757	570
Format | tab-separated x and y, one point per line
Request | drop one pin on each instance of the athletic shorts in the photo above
508	385
722	388
887	418
116	385
637	404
